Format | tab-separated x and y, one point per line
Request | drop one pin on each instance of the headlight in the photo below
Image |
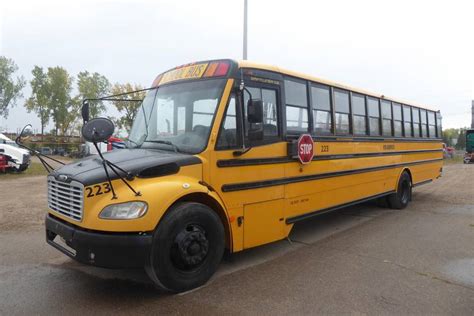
128	210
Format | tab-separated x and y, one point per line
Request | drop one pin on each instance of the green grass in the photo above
35	169
455	160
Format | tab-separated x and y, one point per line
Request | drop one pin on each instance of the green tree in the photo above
10	88
461	139
40	96
127	109
51	98
449	135
93	86
60	103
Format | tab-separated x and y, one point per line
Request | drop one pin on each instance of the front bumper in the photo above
102	249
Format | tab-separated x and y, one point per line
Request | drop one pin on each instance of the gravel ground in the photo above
22	203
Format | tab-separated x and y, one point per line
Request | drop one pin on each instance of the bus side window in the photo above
386	118
296	104
228	131
431	124
270	118
416	122
438	125
424	123
397	120
320	96
407	121
374	116
341	101
359	121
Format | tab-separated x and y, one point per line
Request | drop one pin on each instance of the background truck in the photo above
18	159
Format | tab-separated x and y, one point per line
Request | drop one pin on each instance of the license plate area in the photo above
57	236
61	242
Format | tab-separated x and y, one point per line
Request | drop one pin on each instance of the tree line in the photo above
54	99
455	137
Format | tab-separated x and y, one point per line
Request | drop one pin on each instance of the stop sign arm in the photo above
301	149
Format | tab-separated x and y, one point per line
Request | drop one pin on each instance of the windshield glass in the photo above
8	142
177	116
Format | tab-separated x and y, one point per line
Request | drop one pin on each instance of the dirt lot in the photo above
362	259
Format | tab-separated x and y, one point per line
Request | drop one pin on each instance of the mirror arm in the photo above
45	164
113	167
243	88
36	153
104	165
112	99
244	150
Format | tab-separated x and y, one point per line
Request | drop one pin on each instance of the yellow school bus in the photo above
212	165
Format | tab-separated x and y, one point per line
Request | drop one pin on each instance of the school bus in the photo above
212	165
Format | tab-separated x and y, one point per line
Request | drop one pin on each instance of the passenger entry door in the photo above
241	166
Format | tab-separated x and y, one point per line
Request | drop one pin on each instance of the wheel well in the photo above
213	205
409	173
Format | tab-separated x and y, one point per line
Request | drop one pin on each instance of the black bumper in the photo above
102	249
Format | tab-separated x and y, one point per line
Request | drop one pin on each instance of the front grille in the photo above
66	198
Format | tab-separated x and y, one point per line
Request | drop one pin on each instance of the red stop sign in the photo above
305	148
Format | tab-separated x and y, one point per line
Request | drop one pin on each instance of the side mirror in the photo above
255	111
85	112
26	132
98	130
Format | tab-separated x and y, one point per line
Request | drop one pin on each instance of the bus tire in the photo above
399	200
187	248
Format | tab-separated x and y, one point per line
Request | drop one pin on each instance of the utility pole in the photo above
245	30
472	113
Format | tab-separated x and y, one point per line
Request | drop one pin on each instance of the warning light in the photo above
217	69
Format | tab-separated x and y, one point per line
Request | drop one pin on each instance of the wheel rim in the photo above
405	192
190	248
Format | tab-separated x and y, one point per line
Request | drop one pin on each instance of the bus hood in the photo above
145	163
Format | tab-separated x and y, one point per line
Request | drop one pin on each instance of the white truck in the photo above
18	158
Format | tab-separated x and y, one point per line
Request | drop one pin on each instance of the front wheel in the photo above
188	245
22	167
399	200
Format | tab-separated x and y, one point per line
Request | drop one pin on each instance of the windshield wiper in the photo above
166	142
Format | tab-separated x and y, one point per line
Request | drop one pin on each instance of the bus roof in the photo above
250	64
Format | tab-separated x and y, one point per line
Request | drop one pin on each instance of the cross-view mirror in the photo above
98	130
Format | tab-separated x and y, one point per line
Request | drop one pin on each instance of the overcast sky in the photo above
421	51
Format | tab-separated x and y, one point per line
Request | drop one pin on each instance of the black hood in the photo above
144	163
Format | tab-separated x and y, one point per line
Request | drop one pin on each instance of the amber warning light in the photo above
193	71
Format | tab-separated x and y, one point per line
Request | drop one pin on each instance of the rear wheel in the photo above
187	247
399	200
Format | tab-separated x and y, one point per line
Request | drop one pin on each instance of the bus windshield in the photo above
177	117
